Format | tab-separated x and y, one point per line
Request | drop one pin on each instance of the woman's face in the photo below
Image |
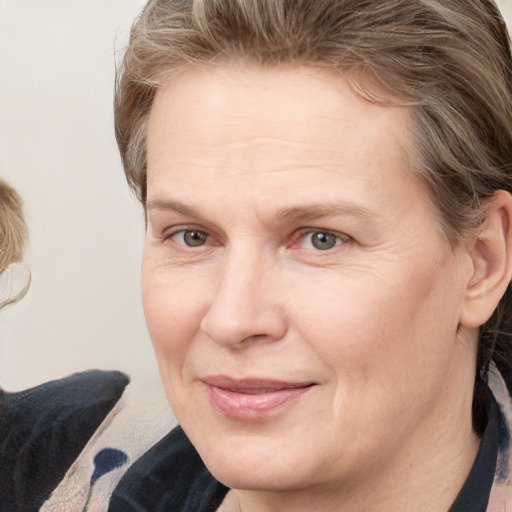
302	301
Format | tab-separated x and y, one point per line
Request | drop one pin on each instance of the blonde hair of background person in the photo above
13	238
13	230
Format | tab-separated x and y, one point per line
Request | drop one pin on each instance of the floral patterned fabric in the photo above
501	494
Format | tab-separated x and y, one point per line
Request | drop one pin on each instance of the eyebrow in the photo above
317	211
297	213
168	204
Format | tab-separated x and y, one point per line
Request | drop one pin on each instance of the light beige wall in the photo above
57	148
506	9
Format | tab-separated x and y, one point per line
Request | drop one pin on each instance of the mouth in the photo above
252	399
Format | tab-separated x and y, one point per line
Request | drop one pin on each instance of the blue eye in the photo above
321	240
191	237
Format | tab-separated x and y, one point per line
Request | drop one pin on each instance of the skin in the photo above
258	160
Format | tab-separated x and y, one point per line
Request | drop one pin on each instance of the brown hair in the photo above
448	59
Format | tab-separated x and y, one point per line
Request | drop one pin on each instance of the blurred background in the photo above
57	148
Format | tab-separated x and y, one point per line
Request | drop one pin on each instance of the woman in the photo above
328	253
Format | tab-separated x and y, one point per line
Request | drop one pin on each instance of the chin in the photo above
264	478
257	467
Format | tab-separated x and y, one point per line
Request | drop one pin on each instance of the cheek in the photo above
173	309
369	329
173	314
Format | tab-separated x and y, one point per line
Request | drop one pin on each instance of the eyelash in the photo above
298	237
183	231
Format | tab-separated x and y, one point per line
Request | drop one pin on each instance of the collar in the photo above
488	487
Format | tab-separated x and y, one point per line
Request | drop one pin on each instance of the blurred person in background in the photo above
45	428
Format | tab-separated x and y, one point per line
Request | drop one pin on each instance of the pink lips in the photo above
251	399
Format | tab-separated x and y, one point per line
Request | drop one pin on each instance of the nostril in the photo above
257	337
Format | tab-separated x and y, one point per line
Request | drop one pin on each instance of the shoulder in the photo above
169	476
43	430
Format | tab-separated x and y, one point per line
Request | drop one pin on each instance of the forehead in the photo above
261	126
247	97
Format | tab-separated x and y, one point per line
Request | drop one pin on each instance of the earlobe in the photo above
491	255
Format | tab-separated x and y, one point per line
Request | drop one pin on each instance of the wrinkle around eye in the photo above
166	252
342	254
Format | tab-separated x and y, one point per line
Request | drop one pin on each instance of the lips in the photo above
252	399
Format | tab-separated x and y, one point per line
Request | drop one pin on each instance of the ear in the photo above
491	255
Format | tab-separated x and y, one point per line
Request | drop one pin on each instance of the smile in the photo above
252	399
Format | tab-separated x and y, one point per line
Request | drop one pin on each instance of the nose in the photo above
244	307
